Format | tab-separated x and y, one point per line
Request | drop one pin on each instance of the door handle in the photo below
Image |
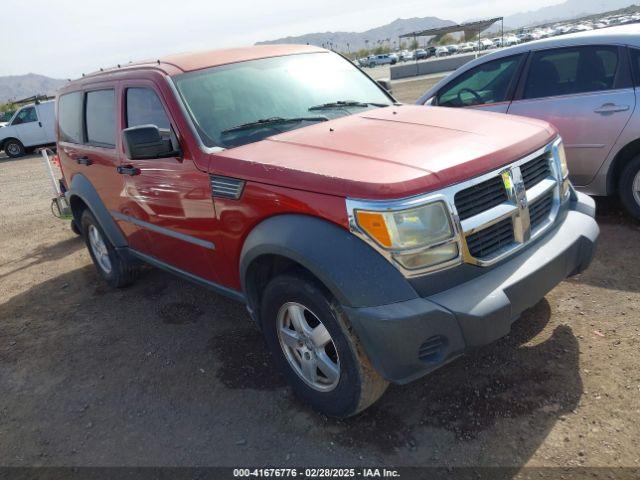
84	161
40	123
128	170
611	108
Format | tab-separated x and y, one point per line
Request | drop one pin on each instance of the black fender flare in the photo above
82	188
355	273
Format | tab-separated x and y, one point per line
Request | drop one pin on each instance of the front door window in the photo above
26	115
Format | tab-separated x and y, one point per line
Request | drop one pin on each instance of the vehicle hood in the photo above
390	152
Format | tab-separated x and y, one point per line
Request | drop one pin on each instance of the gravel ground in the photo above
167	373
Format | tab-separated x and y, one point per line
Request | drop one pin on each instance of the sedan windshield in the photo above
236	104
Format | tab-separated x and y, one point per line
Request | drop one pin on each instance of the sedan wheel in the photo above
636	188
629	187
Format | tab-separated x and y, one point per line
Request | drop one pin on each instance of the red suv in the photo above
371	242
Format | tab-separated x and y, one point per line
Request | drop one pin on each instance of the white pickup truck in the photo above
31	126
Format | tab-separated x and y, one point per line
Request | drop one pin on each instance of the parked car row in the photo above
509	39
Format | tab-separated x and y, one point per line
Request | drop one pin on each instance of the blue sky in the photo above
64	38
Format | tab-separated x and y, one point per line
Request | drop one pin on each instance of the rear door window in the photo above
70	117
569	71
487	83
100	118
144	108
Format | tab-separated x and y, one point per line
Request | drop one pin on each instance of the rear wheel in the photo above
629	187
112	267
312	344
14	148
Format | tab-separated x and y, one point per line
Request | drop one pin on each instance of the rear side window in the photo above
569	71
635	65
485	84
100	118
144	108
70	118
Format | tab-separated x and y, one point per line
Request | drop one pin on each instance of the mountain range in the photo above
16	87
345	41
567	10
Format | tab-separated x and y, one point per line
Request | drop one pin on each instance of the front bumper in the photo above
407	340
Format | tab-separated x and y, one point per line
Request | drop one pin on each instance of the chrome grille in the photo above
535	171
488	241
503	210
480	197
539	210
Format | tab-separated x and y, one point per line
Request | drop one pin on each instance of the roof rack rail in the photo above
33	99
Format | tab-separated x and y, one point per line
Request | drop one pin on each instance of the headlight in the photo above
417	237
562	158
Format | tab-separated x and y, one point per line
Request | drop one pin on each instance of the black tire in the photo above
359	384
75	229
14	148
122	272
626	187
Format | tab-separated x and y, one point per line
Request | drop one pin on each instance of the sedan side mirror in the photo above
145	142
386	84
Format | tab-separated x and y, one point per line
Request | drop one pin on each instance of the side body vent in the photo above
226	187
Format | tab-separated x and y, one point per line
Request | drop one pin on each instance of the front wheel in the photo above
629	187
314	348
14	148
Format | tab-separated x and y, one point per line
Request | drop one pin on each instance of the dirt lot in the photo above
167	373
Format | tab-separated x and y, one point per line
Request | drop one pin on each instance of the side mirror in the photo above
386	84
145	142
430	101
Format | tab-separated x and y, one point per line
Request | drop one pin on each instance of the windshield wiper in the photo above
265	122
346	103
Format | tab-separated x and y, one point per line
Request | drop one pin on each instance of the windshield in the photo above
288	88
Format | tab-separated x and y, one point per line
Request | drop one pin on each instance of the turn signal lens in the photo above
374	225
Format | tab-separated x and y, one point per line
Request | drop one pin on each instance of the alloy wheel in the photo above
99	249
308	347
